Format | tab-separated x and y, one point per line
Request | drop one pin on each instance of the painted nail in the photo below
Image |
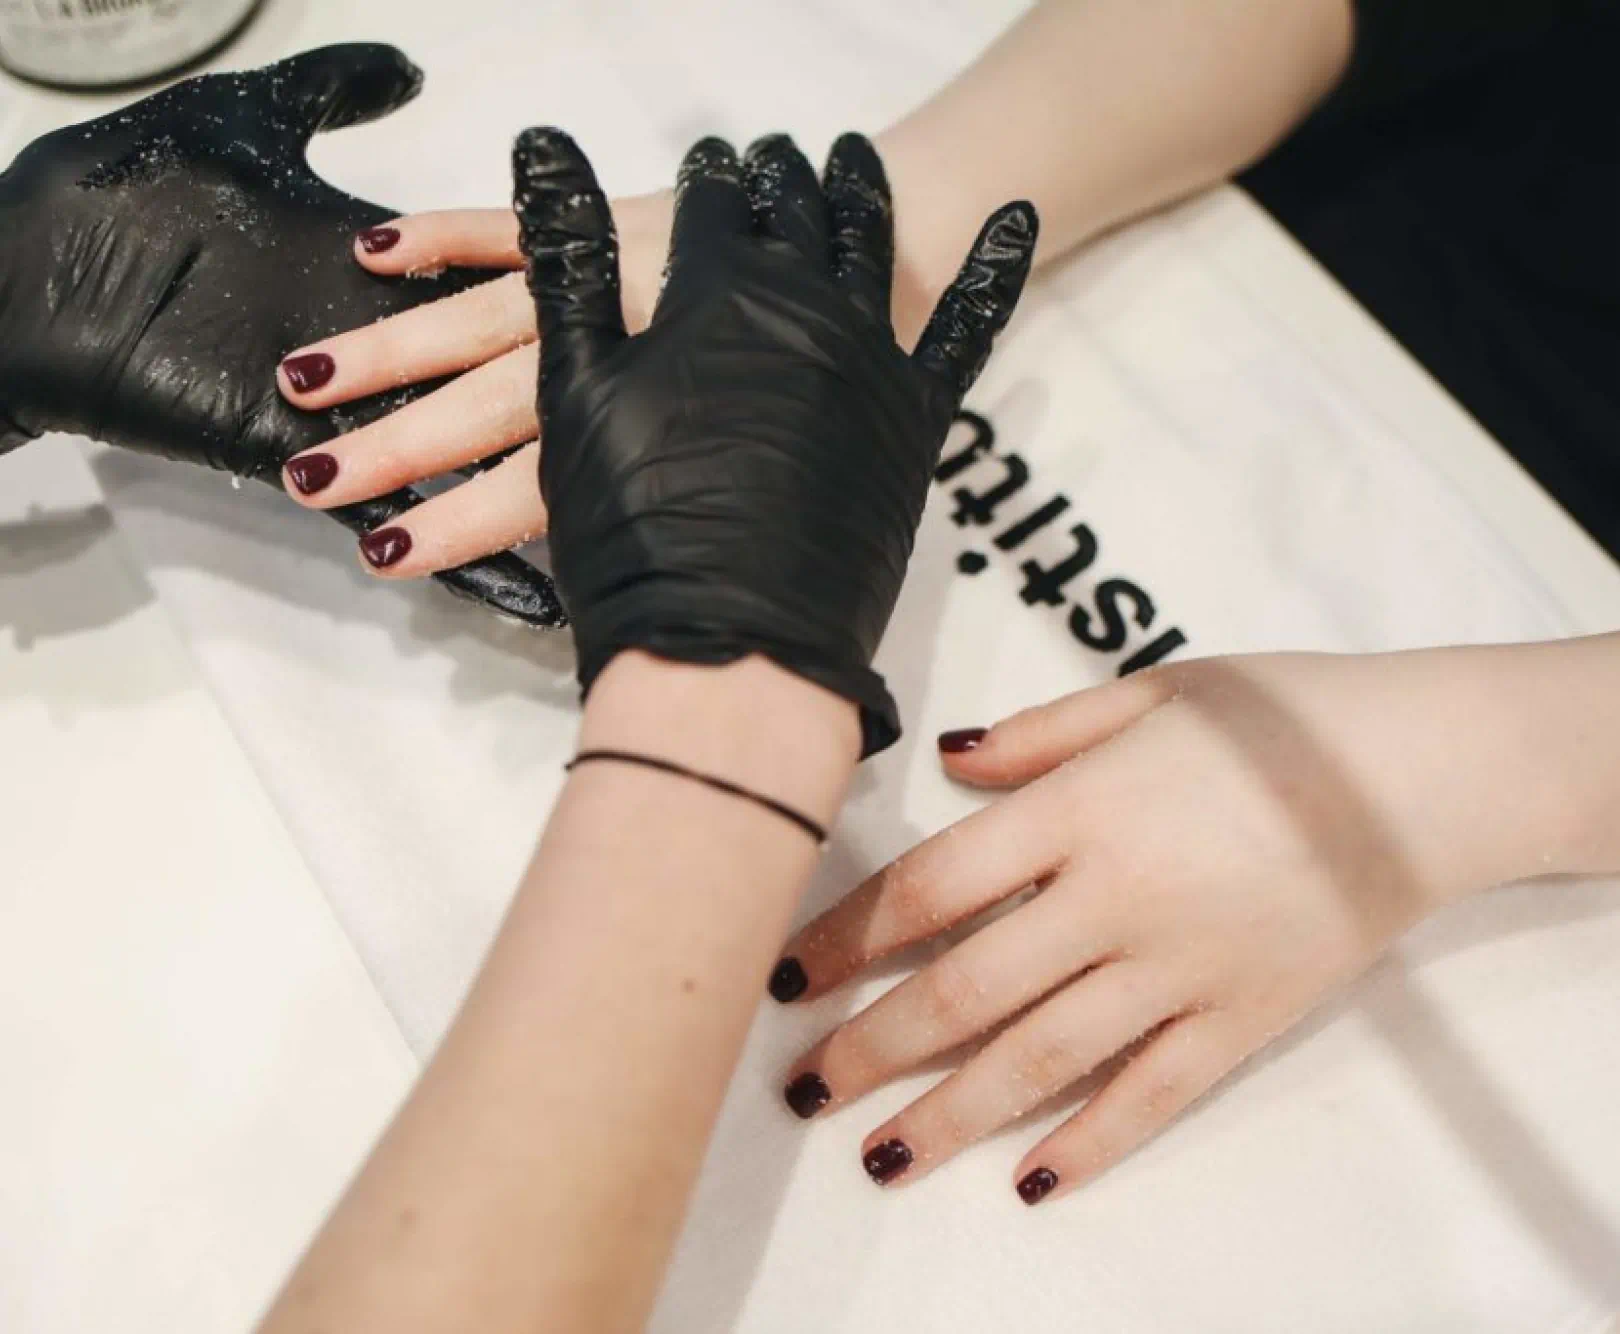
312	472
309	372
1037	1185
788	980
966	739
386	546
887	1161
375	240
807	1095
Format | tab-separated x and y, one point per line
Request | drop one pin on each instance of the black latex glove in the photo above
157	264
747	475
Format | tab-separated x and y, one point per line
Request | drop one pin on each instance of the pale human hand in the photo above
1219	845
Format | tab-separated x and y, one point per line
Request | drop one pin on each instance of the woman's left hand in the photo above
1217	845
483	419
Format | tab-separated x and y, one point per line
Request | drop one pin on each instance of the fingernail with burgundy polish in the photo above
887	1160
807	1095
788	981
968	738
1037	1185
309	372
376	240
312	472
386	546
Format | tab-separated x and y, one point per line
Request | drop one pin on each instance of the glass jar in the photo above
101	44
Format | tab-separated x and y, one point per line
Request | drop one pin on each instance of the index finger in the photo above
956	874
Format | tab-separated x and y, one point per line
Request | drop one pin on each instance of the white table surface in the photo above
212	1003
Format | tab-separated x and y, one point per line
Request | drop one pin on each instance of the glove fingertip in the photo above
710	158
548	169
854	157
1013	228
333	87
543	145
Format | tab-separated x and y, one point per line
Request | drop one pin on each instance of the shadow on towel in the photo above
252	537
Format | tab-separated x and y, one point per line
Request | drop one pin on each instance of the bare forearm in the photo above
1099	110
538	1176
1564	702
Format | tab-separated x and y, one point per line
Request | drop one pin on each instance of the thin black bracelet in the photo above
708	780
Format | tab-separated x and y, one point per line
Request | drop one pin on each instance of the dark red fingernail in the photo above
887	1161
386	546
309	372
807	1095
312	472
375	240
1037	1185
965	739
788	980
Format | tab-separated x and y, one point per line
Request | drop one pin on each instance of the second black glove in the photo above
746	476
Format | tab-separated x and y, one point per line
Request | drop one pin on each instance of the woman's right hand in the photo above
746	476
485	338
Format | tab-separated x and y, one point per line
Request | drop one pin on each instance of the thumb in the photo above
335	86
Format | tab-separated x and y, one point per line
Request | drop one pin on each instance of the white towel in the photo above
1434	1152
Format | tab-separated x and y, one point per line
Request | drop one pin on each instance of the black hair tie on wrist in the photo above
725	785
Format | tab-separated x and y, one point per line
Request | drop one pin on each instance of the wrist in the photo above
1526	753
749	722
1564	699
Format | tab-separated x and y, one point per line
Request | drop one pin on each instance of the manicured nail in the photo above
887	1161
375	240
788	980
1037	1185
312	472
807	1095
386	546
968	738
309	372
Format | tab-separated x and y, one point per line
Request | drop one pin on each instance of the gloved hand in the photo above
156	264
747	475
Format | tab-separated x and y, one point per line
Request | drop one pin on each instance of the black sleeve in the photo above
1406	48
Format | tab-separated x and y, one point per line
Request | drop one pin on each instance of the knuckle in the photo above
940	1123
1166	1090
1045	1063
950	996
385	343
912	906
854	1058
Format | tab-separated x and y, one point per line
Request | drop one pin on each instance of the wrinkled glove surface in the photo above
747	475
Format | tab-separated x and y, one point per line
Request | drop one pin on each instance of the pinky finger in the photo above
482	238
1168	1074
